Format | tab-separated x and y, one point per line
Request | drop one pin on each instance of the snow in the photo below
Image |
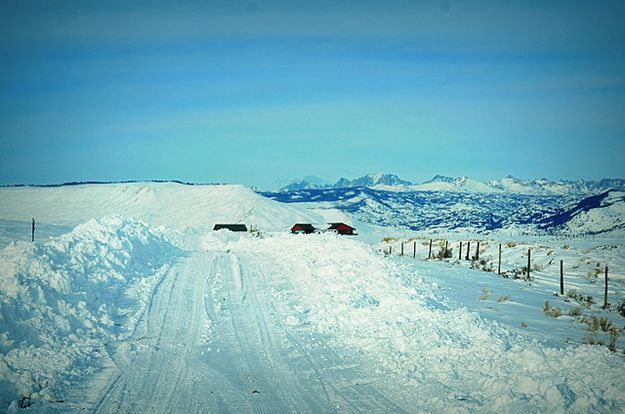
459	184
464	184
177	206
63	300
157	313
411	332
608	217
440	210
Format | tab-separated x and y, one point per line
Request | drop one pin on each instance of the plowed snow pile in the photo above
422	343
63	302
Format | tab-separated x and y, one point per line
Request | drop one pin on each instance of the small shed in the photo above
304	228
342	228
231	227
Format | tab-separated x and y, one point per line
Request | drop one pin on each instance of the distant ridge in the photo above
73	183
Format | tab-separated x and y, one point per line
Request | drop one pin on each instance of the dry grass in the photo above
601	332
442	253
551	312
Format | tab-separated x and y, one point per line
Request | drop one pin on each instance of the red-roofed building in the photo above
342	228
304	228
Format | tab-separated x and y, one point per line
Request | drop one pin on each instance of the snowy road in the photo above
117	316
125	321
211	341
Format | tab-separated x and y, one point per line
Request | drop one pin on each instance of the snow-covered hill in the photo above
174	205
602	213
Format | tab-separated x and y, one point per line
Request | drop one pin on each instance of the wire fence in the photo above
509	259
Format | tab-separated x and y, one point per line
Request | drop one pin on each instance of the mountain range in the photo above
369	180
463	184
445	203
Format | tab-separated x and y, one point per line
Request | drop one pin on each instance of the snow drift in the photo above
61	302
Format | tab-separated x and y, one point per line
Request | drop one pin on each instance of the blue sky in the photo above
263	92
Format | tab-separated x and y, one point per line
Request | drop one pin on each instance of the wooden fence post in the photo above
402	249
460	252
445	252
605	296
414	250
529	256
468	250
477	252
430	251
561	277
32	236
390	250
499	266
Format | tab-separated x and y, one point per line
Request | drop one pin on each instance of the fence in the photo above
445	252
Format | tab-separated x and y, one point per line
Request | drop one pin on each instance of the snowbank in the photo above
413	335
62	301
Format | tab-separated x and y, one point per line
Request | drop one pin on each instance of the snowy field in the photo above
127	302
510	296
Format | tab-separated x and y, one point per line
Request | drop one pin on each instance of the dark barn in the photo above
304	228
231	227
342	228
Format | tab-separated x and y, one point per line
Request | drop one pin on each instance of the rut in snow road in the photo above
211	340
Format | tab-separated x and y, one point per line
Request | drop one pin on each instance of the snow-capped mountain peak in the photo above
544	186
440	179
306	183
457	184
372	180
369	180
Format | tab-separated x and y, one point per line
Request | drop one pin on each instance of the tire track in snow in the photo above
115	386
291	370
249	362
253	329
150	376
